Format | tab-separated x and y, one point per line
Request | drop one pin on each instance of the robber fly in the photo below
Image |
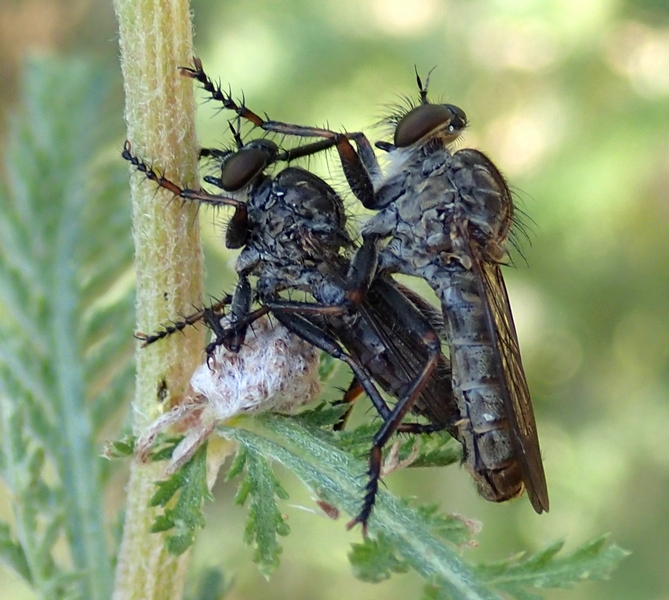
292	233
446	218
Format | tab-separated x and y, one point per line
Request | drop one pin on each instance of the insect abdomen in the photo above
484	430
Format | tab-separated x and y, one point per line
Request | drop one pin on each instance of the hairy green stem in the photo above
155	39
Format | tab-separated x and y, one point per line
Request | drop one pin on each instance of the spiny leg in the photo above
229	337
359	167
185	193
408	318
187	321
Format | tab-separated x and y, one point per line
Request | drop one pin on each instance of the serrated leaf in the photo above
186	516
57	192
546	569
324	415
410	535
335	477
376	560
265	522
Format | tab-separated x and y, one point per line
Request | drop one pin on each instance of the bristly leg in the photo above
187	321
185	193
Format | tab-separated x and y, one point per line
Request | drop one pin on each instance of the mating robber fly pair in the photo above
444	217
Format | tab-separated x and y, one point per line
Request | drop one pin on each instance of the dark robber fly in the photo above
292	231
446	217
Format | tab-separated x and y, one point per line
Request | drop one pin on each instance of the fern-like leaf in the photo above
265	521
185	515
594	560
65	335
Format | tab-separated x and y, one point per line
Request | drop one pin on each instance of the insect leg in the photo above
354	391
408	317
225	98
359	167
188	320
230	336
310	332
185	193
240	308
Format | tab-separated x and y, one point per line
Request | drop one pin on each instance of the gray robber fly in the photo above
291	229
446	217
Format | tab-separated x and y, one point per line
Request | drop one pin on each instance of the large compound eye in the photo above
240	168
446	119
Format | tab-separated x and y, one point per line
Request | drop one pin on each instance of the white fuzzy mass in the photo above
275	370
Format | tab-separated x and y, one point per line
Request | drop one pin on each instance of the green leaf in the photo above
122	448
376	560
66	328
37	511
545	569
265	522
337	478
402	536
186	516
237	467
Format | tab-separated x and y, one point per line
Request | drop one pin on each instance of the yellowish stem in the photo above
155	39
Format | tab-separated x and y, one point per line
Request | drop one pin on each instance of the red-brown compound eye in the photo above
446	119
240	168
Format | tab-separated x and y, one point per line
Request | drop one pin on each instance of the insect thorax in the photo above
433	200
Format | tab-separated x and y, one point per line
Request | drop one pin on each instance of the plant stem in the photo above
155	39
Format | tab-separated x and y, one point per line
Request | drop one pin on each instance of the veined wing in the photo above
404	352
407	352
516	393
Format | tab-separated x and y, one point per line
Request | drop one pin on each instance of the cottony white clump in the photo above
274	370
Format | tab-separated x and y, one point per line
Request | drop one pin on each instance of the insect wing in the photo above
405	352
408	353
514	384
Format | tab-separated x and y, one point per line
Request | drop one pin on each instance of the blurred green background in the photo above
571	100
